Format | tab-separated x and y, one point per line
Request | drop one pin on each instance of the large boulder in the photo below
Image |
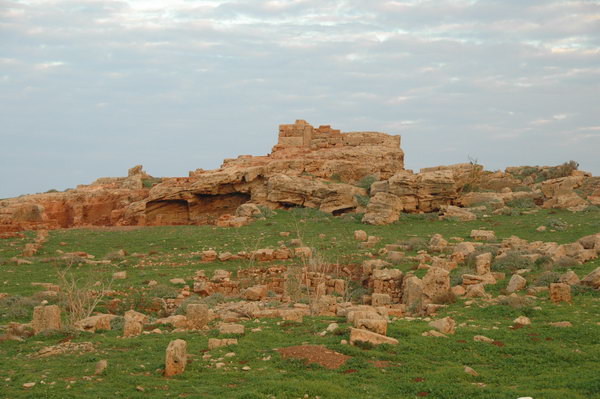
175	357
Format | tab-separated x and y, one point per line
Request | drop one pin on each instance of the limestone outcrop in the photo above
320	168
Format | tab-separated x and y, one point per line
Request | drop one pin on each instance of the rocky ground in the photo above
301	303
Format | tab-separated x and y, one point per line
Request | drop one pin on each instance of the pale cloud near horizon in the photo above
89	88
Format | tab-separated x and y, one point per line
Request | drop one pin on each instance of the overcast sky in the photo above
89	88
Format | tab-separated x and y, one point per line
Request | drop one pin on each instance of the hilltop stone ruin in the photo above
320	168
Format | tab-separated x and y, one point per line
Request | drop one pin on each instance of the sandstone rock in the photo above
387	274
560	292
454	212
437	243
592	279
361	335
360	235
134	323
476	291
119	275
470	371
483	263
569	277
436	285
96	322
462	250
412	292
482	338
378	326
434	333
177	281
256	293
209	256
197	315
590	242
248	210
483	235
175	358
231	328
46	318
177	321
380	299
458	290
447	325
383	208
214	343
472	279
516	283
522	320
101	366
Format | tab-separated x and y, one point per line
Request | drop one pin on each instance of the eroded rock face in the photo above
310	167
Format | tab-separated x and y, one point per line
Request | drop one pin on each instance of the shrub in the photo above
265	212
17	307
363	200
566	262
521	203
151	182
364	345
516	302
366	182
415	244
445	299
512	262
557	224
547	278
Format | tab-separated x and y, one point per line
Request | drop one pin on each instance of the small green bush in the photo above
512	262
366	182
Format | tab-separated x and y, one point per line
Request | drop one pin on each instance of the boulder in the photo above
46	318
454	212
483	235
256	293
231	328
360	335
436	285
447	325
214	343
383	208
516	283
96	322
134	323
483	263
360	235
560	292
175	358
592	279
378	326
197	315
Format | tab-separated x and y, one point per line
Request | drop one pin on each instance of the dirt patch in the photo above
315	354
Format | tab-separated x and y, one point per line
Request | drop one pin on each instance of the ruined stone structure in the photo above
320	168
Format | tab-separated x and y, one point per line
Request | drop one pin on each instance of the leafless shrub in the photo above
80	295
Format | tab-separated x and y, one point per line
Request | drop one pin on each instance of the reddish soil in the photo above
315	354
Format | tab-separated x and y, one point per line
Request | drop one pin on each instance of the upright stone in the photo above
134	323
483	263
175	357
560	292
197	315
46	318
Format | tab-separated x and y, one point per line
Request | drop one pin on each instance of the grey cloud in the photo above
89	88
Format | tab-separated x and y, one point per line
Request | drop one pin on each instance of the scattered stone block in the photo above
357	334
560	292
46	318
175	357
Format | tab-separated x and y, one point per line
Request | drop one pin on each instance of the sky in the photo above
90	88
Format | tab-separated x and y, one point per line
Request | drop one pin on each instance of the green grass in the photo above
538	361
